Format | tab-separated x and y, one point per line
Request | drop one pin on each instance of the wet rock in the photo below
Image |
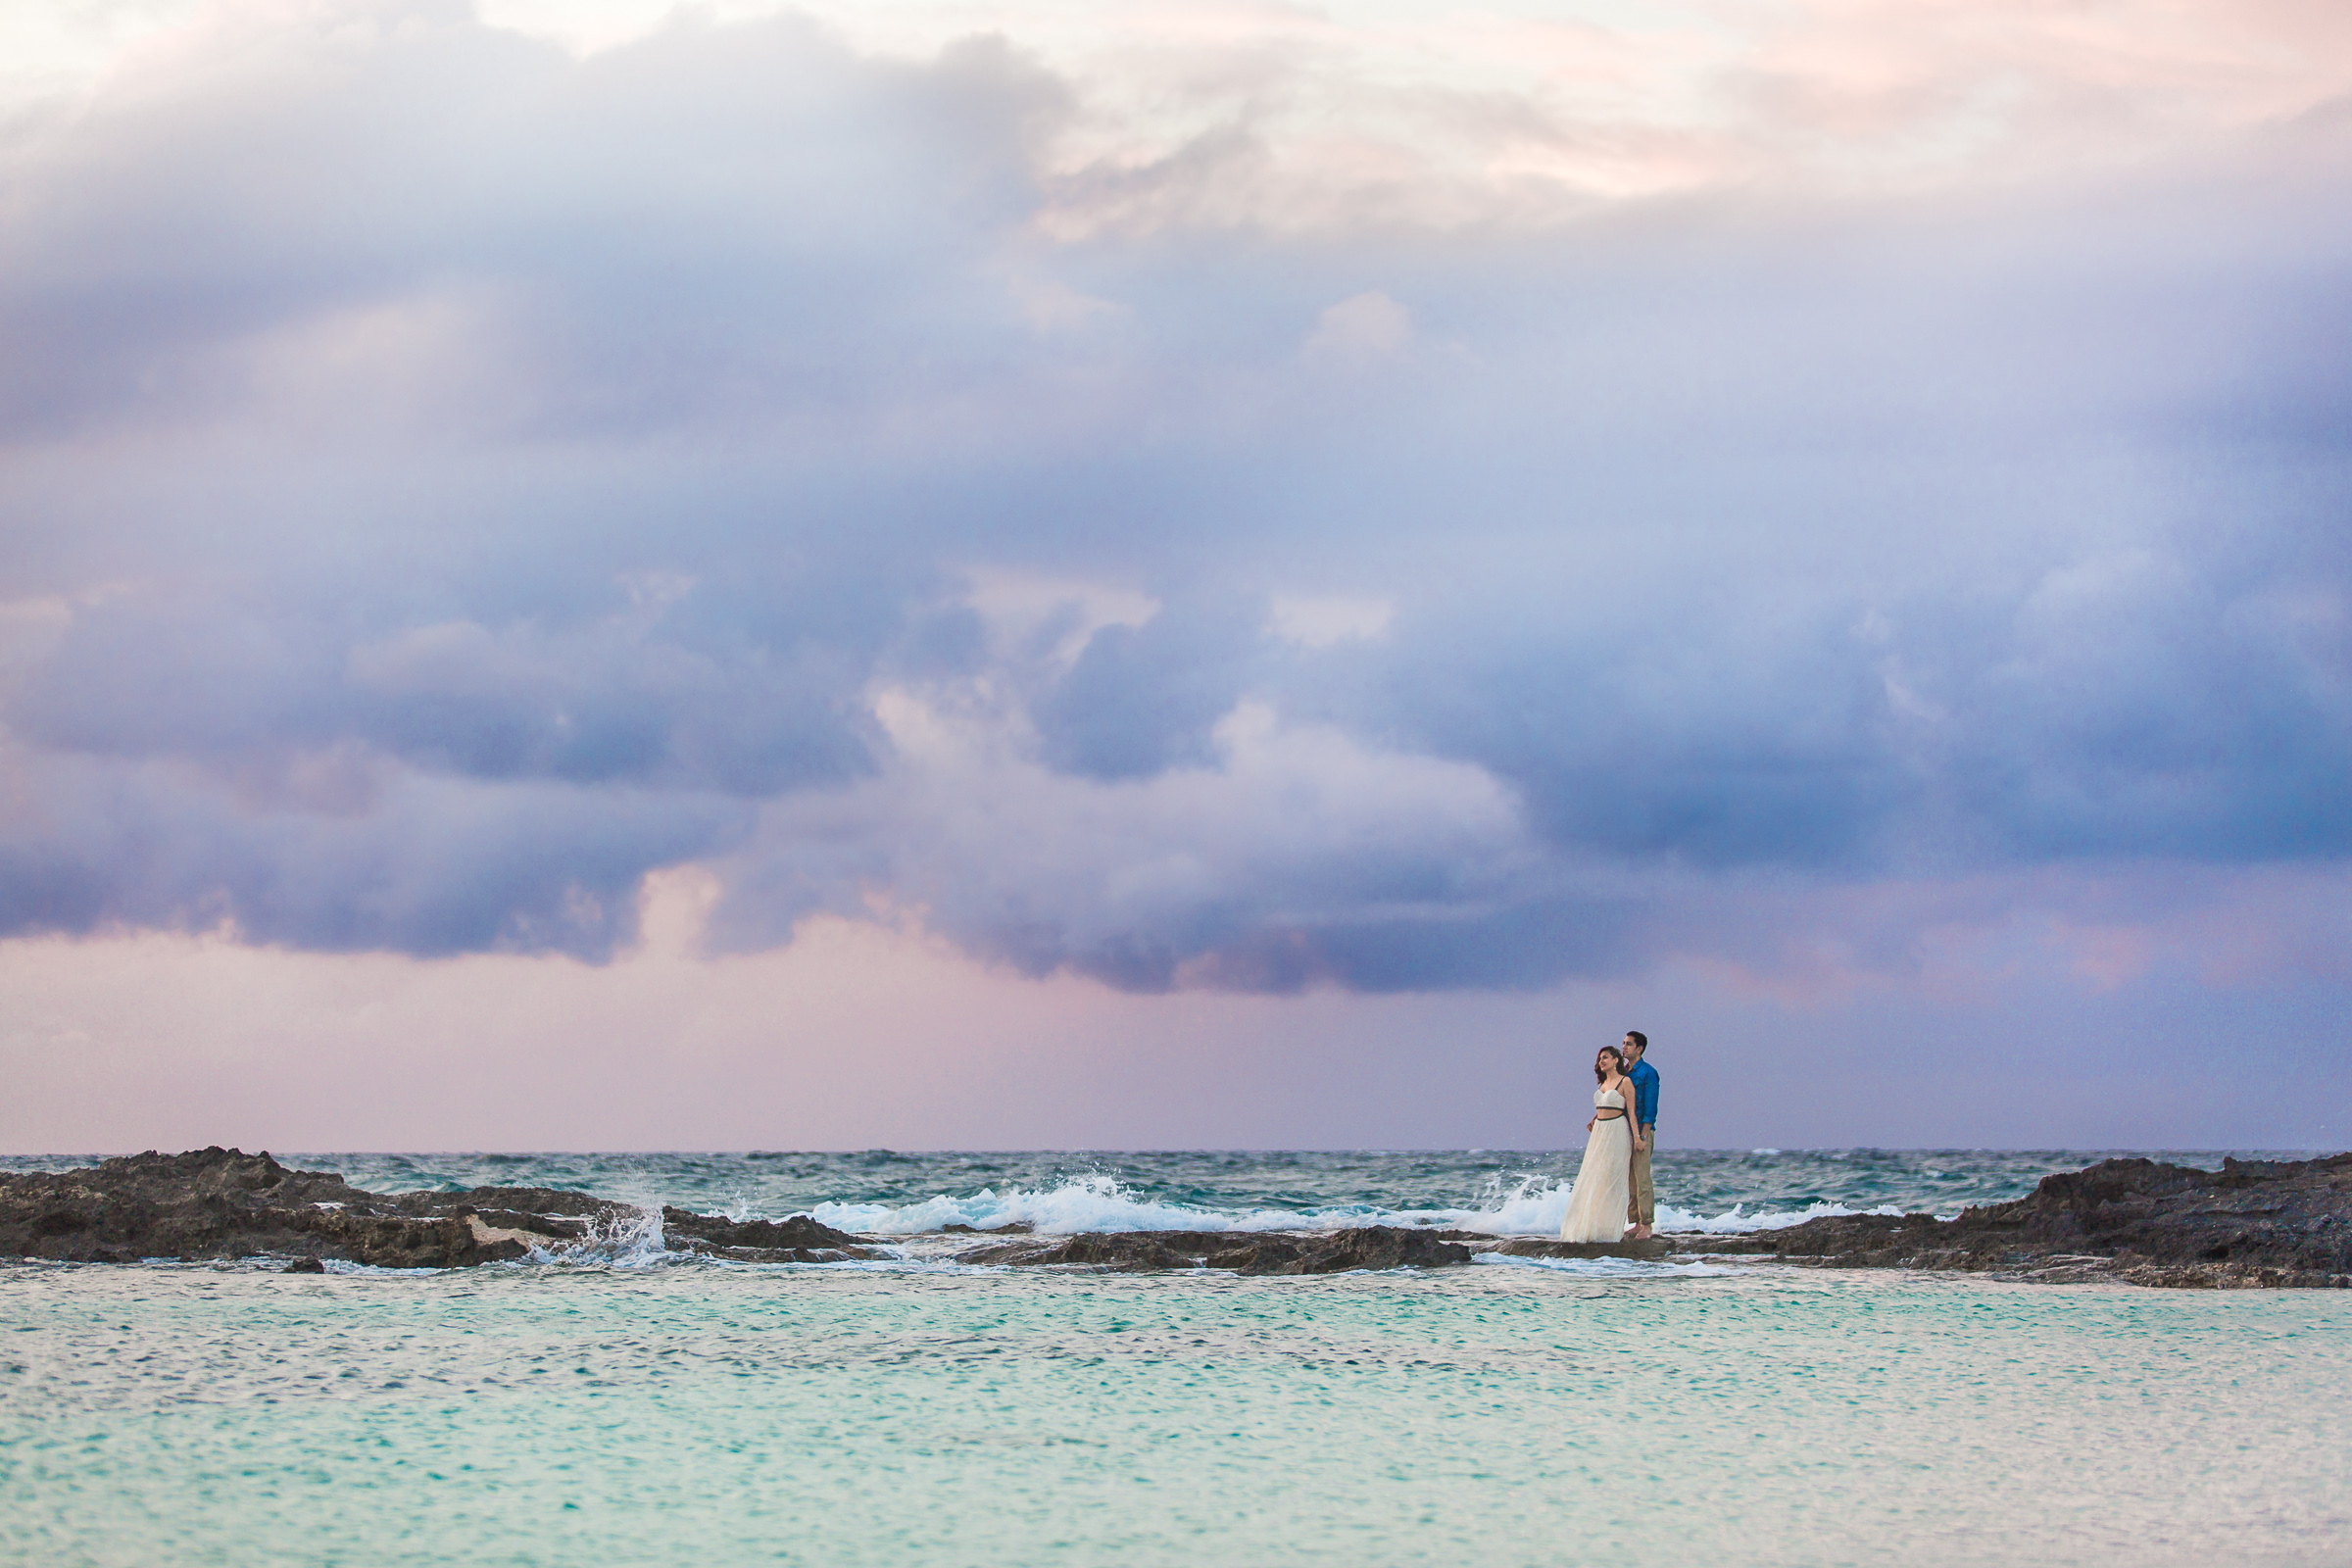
211	1203
800	1239
222	1202
304	1265
537	1202
1374	1246
2252	1224
801	1230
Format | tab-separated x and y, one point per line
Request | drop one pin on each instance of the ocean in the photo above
619	1405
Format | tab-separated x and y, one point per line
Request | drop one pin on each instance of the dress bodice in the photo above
1607	1100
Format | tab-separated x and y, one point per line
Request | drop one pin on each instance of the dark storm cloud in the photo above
446	479
640	694
342	854
1139	700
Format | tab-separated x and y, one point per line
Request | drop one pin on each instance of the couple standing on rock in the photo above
1614	1179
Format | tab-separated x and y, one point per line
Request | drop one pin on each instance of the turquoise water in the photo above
629	1405
1497	1414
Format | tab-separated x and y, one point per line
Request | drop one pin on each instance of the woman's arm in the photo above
1626	1093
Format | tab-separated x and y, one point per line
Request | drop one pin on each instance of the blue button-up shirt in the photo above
1646	1093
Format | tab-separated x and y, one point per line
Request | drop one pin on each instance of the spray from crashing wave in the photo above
1527	1204
616	1238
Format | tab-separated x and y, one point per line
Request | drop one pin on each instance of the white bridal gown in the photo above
1596	1203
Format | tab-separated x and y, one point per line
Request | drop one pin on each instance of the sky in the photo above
1052	575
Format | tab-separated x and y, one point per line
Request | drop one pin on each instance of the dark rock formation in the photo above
798	1240
546	1201
221	1202
1243	1253
2250	1223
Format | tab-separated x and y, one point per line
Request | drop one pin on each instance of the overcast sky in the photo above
1087	575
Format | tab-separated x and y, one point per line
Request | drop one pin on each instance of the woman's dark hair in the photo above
1600	1074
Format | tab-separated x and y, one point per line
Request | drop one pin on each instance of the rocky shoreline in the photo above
222	1204
2253	1223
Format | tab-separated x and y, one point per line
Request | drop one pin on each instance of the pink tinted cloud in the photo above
858	1035
861	1034
1287	120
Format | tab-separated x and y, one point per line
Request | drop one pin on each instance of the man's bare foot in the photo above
1640	1233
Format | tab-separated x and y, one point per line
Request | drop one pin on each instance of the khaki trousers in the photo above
1640	1203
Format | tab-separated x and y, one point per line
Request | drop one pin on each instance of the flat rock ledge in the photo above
222	1204
1655	1249
1373	1247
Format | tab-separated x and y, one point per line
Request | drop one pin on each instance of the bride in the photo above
1596	1202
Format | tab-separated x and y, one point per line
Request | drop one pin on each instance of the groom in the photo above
1640	1205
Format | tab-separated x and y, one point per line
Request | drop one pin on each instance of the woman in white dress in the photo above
1596	1202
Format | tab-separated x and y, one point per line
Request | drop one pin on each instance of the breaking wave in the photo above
619	1238
1098	1202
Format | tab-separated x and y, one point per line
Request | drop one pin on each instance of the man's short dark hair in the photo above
1641	1041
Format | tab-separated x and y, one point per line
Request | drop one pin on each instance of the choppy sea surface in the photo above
623	1406
882	1191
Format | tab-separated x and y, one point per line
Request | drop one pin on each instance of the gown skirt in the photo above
1596	1202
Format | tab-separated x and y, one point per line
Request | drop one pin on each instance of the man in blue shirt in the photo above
1640	1205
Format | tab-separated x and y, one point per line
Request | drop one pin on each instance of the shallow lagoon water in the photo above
631	1406
1501	1414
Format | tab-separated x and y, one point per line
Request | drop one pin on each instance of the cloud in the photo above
1350	119
453	478
339	853
1292	855
739	212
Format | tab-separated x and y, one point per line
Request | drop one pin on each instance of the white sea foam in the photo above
1536	1206
1093	1203
1736	1221
615	1239
1096	1201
